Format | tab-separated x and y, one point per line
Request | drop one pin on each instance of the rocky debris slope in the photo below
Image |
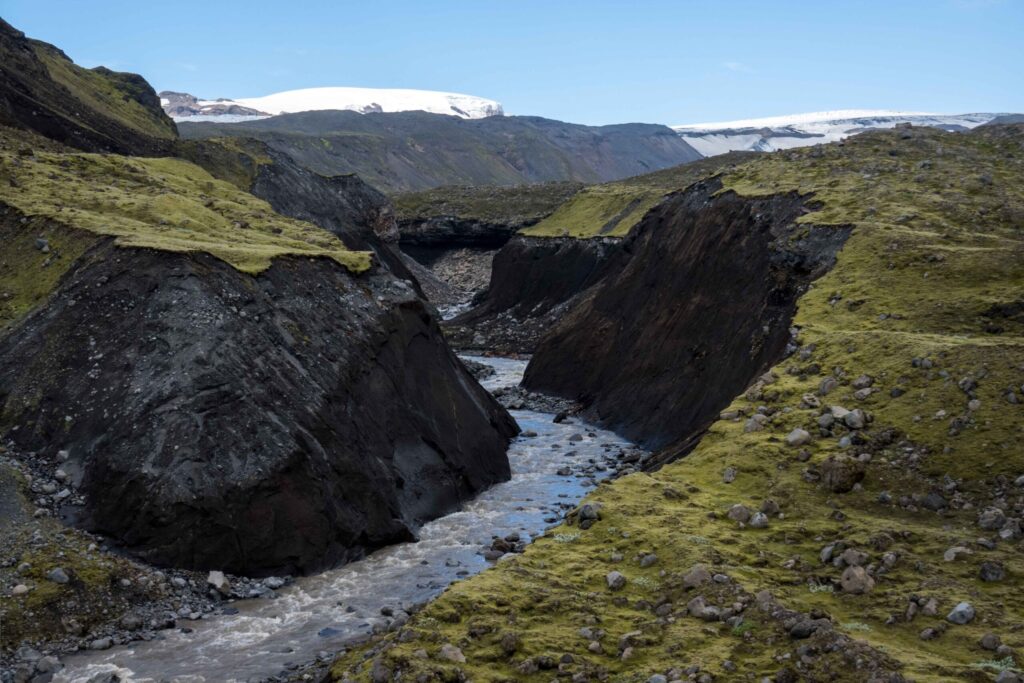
64	590
652	352
534	280
96	110
866	492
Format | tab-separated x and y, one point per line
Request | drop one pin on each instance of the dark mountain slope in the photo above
416	150
96	110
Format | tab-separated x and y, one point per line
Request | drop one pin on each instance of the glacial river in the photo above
318	615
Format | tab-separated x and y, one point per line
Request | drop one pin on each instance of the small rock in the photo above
759	520
805	628
990	641
855	419
856	580
798	437
991	519
452	654
991	571
615	580
58	575
219	582
962	614
20	589
101	644
648	560
696	577
827	386
840	473
935	502
739	513
729	475
955	552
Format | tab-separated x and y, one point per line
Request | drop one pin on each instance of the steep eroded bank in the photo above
702	305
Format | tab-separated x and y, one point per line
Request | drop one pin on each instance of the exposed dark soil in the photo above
697	304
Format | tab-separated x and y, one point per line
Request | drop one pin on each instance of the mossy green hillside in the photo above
496	204
235	160
935	251
162	203
612	209
110	93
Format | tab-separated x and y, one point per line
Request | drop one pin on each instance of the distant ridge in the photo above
183	106
772	133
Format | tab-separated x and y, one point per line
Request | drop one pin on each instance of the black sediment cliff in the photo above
534	280
279	422
697	304
252	419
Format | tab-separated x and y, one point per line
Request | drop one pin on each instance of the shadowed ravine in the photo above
322	613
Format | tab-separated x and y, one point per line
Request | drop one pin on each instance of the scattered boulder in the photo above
58	575
840	473
856	580
219	582
452	654
739	513
798	437
805	628
696	577
759	521
990	641
991	519
992	571
962	614
615	580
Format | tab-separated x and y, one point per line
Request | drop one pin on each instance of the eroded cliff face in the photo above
696	306
277	423
534	281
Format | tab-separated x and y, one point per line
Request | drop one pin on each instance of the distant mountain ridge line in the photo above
773	133
184	106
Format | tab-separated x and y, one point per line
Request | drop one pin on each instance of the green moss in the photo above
235	160
27	274
937	240
612	209
166	204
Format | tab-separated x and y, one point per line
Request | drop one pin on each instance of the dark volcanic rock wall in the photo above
701	306
534	280
277	423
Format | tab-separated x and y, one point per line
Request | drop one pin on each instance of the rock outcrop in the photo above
277	423
698	304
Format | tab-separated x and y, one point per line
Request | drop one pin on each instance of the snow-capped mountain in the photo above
182	106
784	132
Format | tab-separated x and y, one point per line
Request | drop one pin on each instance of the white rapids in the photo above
318	615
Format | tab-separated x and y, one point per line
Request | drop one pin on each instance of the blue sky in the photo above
587	62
